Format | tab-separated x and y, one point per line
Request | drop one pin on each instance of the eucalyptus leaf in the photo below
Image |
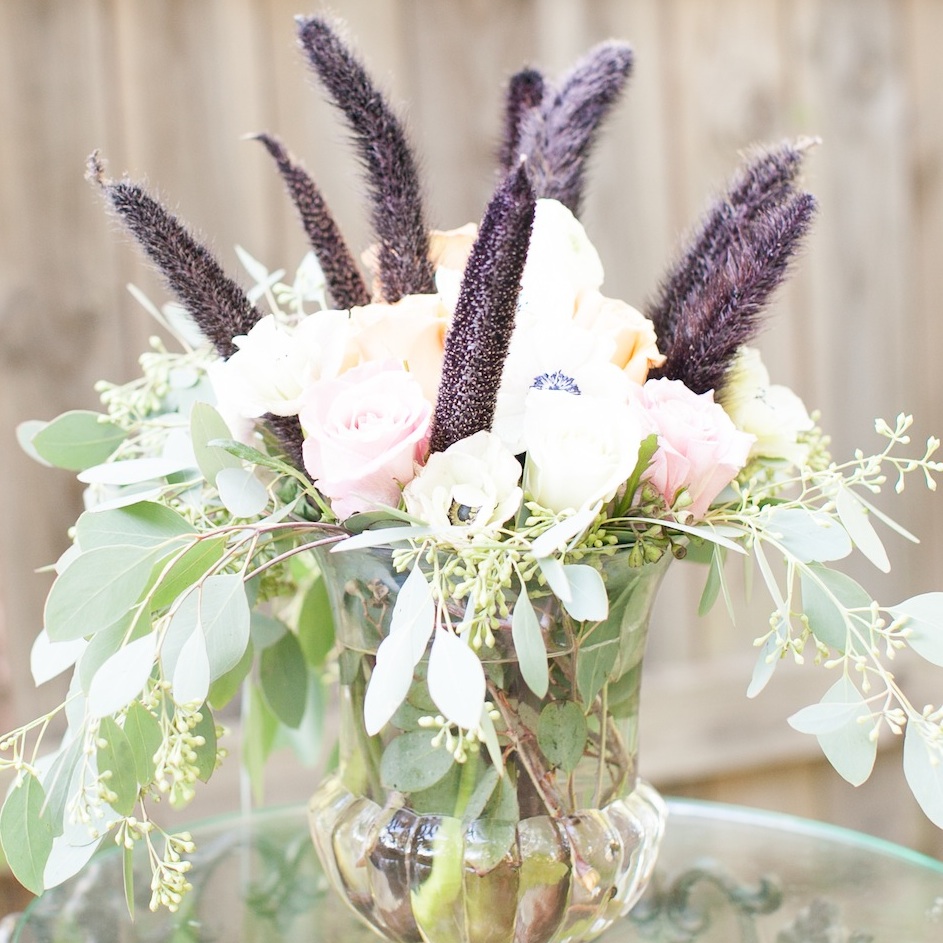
48	659
555	574
205	752
923	769
560	534
283	676
226	687
389	683
589	602
307	739
596	659
200	558
145	524
25	432
122	677
826	595
116	766
923	617
562	733
57	783
851	748
101	647
856	520
66	859
410	763
481	795
414	612
133	471
98	588
25	833
316	624
206	424
809	536
245	452
143	732
824	717
383	536
456	679
77	440
765	666
127	878
241	492
191	678
529	645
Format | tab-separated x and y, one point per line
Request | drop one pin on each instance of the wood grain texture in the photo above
167	88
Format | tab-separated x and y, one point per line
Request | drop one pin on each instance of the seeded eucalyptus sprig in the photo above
404	265
557	137
477	343
344	281
217	304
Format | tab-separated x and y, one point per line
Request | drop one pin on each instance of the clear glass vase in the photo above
559	845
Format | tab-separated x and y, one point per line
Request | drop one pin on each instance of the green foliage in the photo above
143	733
316	624
410	763
117	767
562	734
530	645
26	833
77	440
284	679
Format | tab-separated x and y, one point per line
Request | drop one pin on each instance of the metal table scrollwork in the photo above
725	874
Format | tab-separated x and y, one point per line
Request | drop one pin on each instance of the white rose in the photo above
274	364
471	488
561	262
771	413
580	449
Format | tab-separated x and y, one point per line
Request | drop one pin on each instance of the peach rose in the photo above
450	248
635	346
411	331
364	431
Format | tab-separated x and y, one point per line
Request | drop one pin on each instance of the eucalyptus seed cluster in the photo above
169	881
461	742
176	759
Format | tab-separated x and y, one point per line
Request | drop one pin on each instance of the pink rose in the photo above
363	432
699	447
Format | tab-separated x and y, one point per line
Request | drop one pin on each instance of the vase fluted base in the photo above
437	879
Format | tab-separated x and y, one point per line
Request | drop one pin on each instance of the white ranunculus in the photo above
580	449
561	262
771	413
274	364
568	358
472	487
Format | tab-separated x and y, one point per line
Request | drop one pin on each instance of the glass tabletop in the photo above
725	874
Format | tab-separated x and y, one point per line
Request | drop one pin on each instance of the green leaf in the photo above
851	748
122	677
25	431
857	522
78	439
206	753
127	874
190	684
646	451
25	833
57	784
242	451
481	794
206	424
712	584
530	645
97	589
116	765
242	494
562	734
316	624
142	730
284	679
192	565
809	536
258	738
923	769
596	659
824	606
226	687
265	630
102	646
588	602
924	620
410	762
307	739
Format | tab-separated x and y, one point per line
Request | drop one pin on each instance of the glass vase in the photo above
555	847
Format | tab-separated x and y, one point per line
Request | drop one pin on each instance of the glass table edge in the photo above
699	808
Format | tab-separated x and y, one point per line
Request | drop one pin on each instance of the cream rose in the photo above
364	432
470	488
580	449
634	346
771	413
411	331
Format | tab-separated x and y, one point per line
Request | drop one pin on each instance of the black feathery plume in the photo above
404	266
344	281
525	92
723	314
217	304
478	340
764	181
558	137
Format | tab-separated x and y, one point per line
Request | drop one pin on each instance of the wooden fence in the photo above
166	88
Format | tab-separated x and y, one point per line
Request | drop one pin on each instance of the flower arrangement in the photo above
479	407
